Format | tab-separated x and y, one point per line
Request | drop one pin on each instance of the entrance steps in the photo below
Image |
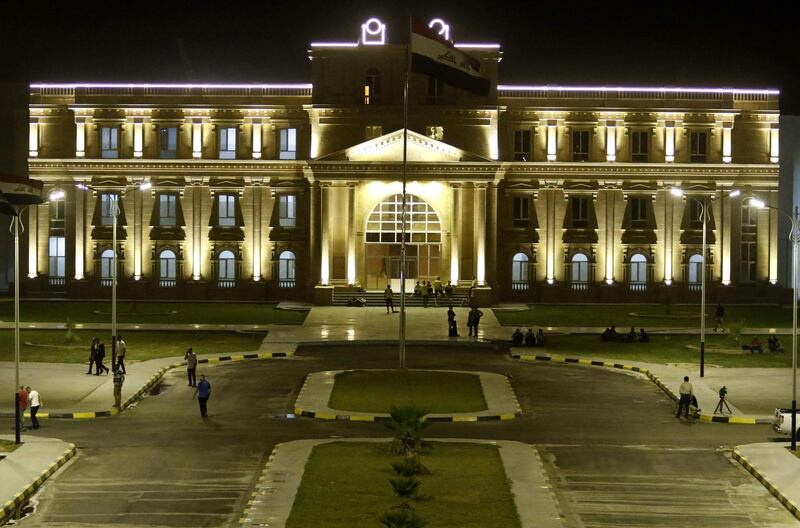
375	298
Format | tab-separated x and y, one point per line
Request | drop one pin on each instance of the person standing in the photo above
23	404
99	357
388	298
686	392
92	354
475	317
426	291
191	366
438	288
720	315
203	392
119	379
36	402
122	347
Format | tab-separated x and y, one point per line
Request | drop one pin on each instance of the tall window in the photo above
521	211
286	262
107	206
167	268
748	256
638	210
287	210
580	271
227	143
372	131
695	270
109	142
167	210
227	269
640	146
580	145
106	267
580	212
227	210
288	144
435	88
168	142
519	272
522	145
698	147
57	214
638	272
57	253
372	86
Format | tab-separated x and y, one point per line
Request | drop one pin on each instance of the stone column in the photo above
491	247
325	250
80	233
33	241
668	230
257	190
197	241
725	238
479	230
313	232
137	234
455	233
550	235
609	199
351	233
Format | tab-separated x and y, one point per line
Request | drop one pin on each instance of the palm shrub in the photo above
405	487
407	424
70	338
408	467
403	518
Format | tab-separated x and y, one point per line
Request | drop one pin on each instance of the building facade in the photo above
268	191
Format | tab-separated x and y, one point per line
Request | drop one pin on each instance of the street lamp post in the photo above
794	234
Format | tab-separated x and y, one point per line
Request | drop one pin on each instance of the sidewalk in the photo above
158	327
776	467
25	469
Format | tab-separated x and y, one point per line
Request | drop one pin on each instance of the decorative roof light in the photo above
373	32
441	27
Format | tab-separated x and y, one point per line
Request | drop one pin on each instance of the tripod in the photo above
718	408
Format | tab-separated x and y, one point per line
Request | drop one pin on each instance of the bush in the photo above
70	338
405	487
402	519
406	468
407	423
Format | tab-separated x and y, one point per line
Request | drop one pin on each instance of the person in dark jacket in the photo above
99	357
93	354
530	338
517	338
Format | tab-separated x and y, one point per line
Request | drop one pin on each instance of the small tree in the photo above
407	423
403	518
70	338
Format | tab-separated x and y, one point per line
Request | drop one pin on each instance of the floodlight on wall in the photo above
676	191
56	195
755	203
734	193
145	186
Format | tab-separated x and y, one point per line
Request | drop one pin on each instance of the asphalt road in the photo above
614	452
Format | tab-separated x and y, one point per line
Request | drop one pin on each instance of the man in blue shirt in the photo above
203	392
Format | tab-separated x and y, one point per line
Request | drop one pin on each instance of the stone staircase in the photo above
375	298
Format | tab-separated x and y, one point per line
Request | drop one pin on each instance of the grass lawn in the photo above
346	485
662	349
379	391
142	345
6	446
141	312
620	315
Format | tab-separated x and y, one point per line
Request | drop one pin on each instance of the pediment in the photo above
389	147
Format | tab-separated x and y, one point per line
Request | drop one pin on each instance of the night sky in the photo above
700	43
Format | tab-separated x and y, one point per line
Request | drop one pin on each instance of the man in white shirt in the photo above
685	391
122	347
33	397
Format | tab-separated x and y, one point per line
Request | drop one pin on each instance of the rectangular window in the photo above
227	210
640	146
167	209
288	144
57	214
372	131
107	204
168	142
698	147
638	210
435	88
521	211
522	145
580	212
749	247
227	143
287	210
109	142
580	145
57	253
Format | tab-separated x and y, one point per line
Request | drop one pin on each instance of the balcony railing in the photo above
519	285
286	283
57	281
638	286
226	283
580	286
695	286
167	283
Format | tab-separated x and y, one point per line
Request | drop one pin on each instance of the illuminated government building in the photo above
292	191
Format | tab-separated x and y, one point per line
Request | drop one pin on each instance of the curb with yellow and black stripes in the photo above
150	383
254	497
778	494
20	499
655	379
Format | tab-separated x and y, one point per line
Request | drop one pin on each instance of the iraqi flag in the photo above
433	55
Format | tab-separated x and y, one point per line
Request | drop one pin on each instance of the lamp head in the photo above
145	185
56	195
676	191
755	203
734	193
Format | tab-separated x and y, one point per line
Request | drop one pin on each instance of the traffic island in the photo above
344	483
369	395
776	467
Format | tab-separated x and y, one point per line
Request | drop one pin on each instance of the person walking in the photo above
23	404
686	393
202	393
474	316
426	291
191	366
438	287
388	298
99	357
119	379
122	347
720	315
93	354
36	402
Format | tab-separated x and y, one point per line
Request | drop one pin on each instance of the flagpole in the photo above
403	210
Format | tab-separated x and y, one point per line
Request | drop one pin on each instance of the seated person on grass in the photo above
756	346
540	338
643	337
607	335
631	337
530	338
517	338
774	344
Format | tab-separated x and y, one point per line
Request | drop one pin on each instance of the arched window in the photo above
638	272
286	262
167	273
372	85
695	270
106	267
580	271
226	275
519	272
